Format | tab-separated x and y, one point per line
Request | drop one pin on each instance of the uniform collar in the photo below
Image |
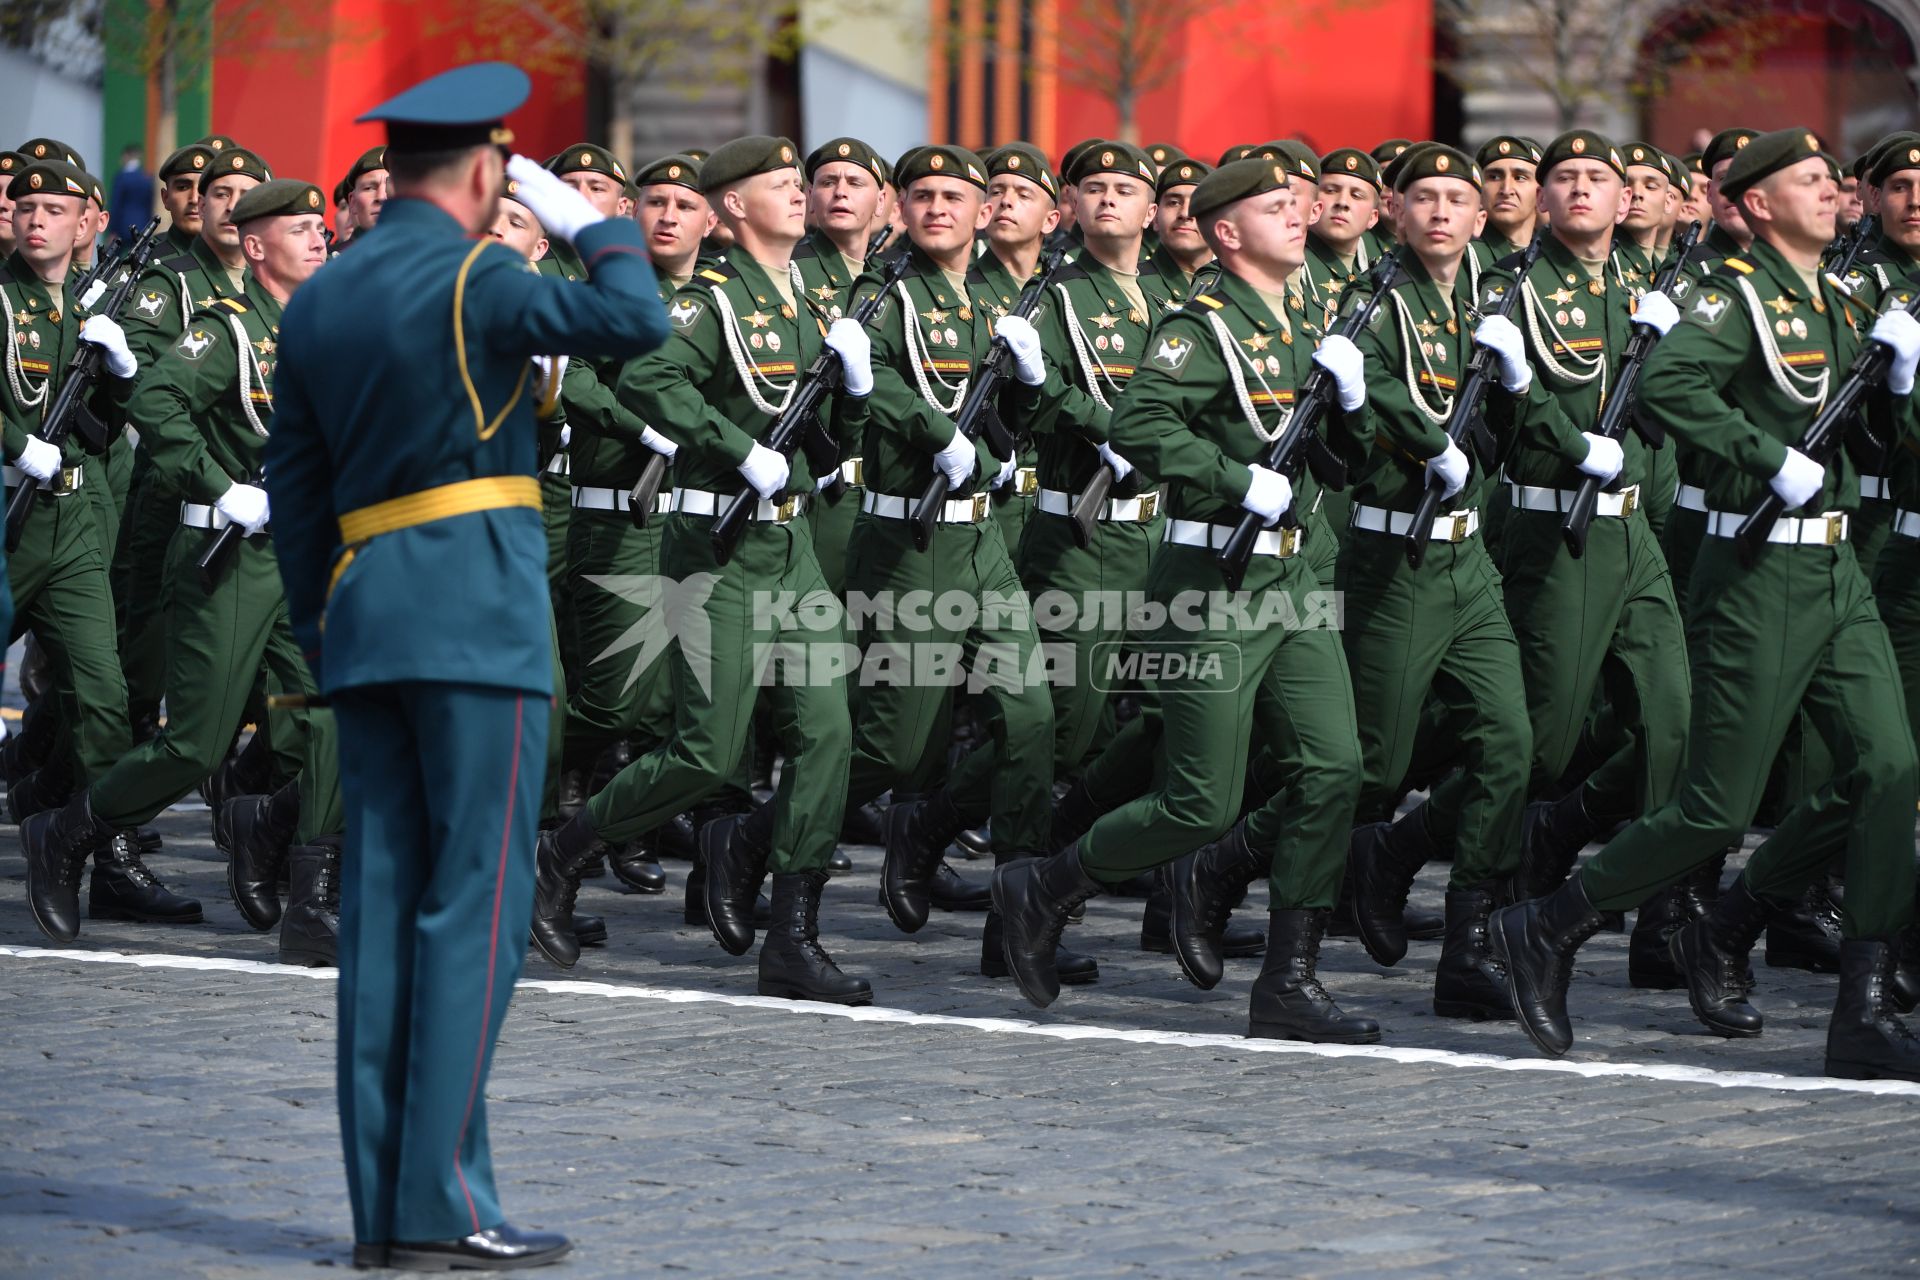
33	290
1766	259
414	214
1233	289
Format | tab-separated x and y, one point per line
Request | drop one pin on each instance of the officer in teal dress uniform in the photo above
407	524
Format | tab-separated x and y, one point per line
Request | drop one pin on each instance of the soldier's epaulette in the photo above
804	250
181	263
6	276
718	273
1207	300
1741	265
235	305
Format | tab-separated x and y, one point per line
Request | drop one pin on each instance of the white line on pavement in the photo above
1054	1031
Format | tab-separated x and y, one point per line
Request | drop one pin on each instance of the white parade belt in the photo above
1058	502
1454	526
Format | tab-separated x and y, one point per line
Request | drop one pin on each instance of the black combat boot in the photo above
1702	885
1807	934
1534	941
1074	968
1033	897
864	824
918	833
56	845
1199	892
561	855
676	838
1288	1002
1074	814
1712	955
1382	860
572	793
123	888
636	868
1420	924
1865	1040
310	931
793	964
1468	982
951	891
47	787
734	851
1649	963
1552	834
257	831
246	772
1905	987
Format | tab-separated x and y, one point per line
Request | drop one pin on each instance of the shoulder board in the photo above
181	263
715	275
1208	300
6	276
235	305
805	249
1744	267
1071	271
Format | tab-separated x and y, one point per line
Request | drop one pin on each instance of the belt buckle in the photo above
1628	500
783	511
1459	530
1290	541
1148	503
979	501
1836	528
69	481
859	472
1026	481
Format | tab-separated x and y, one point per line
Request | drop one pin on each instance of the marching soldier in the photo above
1653	205
1183	251
1439	630
1510	165
1337	241
1208	399
368	186
410	522
741	335
11	163
1761	345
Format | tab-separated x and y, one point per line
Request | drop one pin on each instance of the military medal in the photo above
755	341
1133	314
1580	317
1560	318
773	342
1799	327
1782	328
1273	367
1596	287
1453	326
933	337
953	339
1119	343
966	313
786	312
1100	341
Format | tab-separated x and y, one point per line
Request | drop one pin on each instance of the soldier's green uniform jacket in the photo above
166	297
928	347
825	274
1325	278
1631	266
1416	348
1094	338
1715	247
201	434
605	451
1489	251
1575	327
1165	284
41	344
731	331
1772	349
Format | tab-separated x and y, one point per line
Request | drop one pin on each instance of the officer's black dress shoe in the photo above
502	1248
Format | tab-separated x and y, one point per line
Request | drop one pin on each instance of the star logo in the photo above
1258	342
759	319
825	292
266	346
672	609
1105	321
23	317
935	316
1781	305
1560	297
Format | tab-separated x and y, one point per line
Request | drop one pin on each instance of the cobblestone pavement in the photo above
180	1121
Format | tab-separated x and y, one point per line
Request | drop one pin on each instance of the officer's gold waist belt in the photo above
1529	497
1058	502
488	493
1823	530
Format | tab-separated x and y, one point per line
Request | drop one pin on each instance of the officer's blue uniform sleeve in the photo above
618	314
306	528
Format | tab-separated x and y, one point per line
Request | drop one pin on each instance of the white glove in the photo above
820	485
1800	477
766	470
1339	357
1007	469
566	434
1656	311
1901	332
39	459
855	349
547	366
1269	494
1502	337
1023	340
1451	467
1604	457
105	332
1121	467
659	443
957	460
564	212
245	505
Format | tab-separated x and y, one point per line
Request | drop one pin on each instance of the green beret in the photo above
369	162
698	153
1724	146
1694	162
188	161
95	192
1301	160
1023	160
1234	181
1269	151
1181	173
1648	156
1901	151
745	157
587	157
1579	144
216	143
51	149
1435	161
11	162
1390	169
1072	155
340	190
279	198
1508	146
48	178
851	150
1766	154
676	170
1164	153
942	162
1384	152
1112	157
235	160
1351	161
